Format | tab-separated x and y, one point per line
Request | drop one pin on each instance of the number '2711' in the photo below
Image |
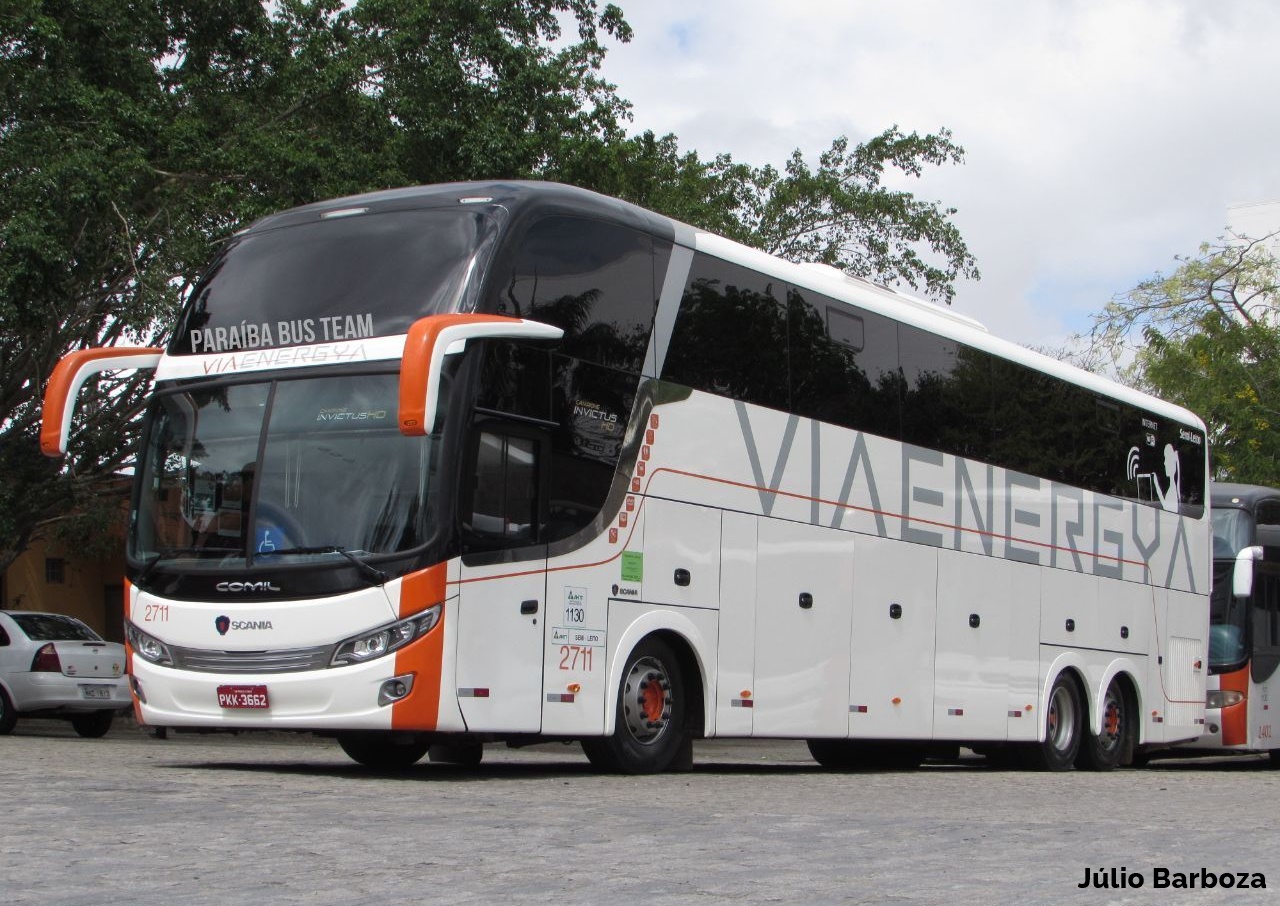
575	657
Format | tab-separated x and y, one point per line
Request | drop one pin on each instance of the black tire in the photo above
649	727
1064	728
1114	745
855	755
94	724
383	751
8	716
1274	756
467	755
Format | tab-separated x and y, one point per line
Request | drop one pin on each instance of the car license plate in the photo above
96	692
242	697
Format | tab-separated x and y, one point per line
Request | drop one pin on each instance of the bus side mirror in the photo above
69	376
1242	577
430	339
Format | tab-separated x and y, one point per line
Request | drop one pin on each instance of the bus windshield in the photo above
1232	532
1228	618
259	472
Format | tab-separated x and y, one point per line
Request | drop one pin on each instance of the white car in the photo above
52	665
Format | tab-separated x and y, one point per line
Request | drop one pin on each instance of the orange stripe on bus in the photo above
1235	719
425	657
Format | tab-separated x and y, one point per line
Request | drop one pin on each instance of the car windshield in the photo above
53	627
261	472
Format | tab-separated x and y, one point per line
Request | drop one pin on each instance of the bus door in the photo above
502	589
1264	692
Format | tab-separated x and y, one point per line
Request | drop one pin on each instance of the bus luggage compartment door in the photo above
804	591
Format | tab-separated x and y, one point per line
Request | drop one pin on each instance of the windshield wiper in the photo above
169	553
367	569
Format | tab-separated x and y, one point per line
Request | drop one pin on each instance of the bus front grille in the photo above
288	661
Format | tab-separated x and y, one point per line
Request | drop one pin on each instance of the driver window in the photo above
504	508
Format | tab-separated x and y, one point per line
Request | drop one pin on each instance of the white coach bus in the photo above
504	462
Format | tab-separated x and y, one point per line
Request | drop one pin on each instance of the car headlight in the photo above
1222	698
382	641
147	647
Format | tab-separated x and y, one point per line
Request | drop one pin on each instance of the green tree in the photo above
137	134
1208	337
840	213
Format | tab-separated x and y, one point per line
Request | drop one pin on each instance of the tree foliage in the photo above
840	213
1208	337
137	134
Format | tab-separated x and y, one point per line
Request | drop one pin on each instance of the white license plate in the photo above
243	697
96	692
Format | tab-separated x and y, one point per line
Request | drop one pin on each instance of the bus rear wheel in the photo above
383	751
649	721
1114	745
1064	722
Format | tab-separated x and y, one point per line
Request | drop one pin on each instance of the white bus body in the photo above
641	529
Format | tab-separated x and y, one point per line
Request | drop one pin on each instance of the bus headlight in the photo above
1222	698
148	648
384	640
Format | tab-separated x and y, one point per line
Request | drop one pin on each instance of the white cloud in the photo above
1102	137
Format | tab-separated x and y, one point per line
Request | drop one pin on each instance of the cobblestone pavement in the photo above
269	818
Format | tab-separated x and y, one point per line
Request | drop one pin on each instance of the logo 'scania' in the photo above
222	624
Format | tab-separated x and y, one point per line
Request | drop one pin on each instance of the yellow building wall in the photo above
92	589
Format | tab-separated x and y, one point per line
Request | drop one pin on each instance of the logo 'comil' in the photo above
247	587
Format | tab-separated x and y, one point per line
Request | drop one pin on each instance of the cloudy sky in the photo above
1102	137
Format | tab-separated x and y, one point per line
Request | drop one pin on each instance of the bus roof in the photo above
1225	493
523	199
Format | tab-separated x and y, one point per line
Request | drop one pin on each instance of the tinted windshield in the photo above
1232	532
335	280
247	472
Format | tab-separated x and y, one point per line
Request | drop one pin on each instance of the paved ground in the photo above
266	819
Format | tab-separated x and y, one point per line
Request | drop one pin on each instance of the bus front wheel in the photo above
383	751
1064	723
649	723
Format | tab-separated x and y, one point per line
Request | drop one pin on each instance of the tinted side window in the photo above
515	380
843	364
1266	621
947	394
1269	512
504	505
591	278
590	406
730	335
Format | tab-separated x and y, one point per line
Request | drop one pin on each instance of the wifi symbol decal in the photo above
1133	463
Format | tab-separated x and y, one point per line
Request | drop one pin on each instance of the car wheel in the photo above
93	725
8	716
